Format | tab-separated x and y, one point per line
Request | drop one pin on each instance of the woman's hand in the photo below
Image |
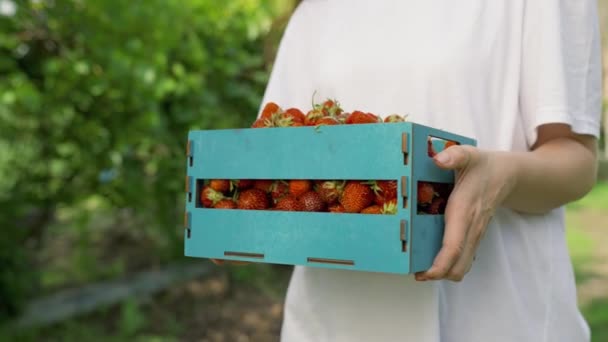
482	181
560	168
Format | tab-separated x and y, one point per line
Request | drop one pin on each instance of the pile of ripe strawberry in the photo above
336	196
326	113
352	196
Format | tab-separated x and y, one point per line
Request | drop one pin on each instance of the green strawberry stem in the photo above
373	185
389	208
313	99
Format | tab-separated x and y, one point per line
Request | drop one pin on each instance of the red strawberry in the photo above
242	184
279	189
263	184
437	206
330	191
289	203
295	114
430	149
286	121
225	204
261	123
394	118
358	117
356	196
450	143
210	197
426	192
312	117
298	187
342	118
329	104
253	199
331	108
311	201
221	185
374	209
337	208
269	110
375	117
388	208
385	191
327	120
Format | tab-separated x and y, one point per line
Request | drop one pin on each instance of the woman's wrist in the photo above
515	166
506	168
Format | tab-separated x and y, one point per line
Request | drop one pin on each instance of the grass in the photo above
128	322
581	248
590	212
597	199
596	314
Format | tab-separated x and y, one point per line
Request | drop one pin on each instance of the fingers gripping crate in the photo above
405	242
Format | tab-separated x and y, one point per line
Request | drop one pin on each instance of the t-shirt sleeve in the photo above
561	70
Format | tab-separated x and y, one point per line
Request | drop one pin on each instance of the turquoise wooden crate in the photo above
403	243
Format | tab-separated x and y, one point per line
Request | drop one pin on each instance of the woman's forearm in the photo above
558	172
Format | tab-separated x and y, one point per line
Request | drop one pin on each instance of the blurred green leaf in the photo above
131	319
96	100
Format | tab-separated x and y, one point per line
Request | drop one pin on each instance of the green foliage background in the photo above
96	98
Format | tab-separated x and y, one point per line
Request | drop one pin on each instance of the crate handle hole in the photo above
435	145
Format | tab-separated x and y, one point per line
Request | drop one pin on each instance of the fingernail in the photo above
443	158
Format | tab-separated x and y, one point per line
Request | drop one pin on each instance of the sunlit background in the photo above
96	99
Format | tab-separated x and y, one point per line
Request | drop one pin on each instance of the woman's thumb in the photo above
453	158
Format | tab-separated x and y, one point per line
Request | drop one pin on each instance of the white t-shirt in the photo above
491	70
